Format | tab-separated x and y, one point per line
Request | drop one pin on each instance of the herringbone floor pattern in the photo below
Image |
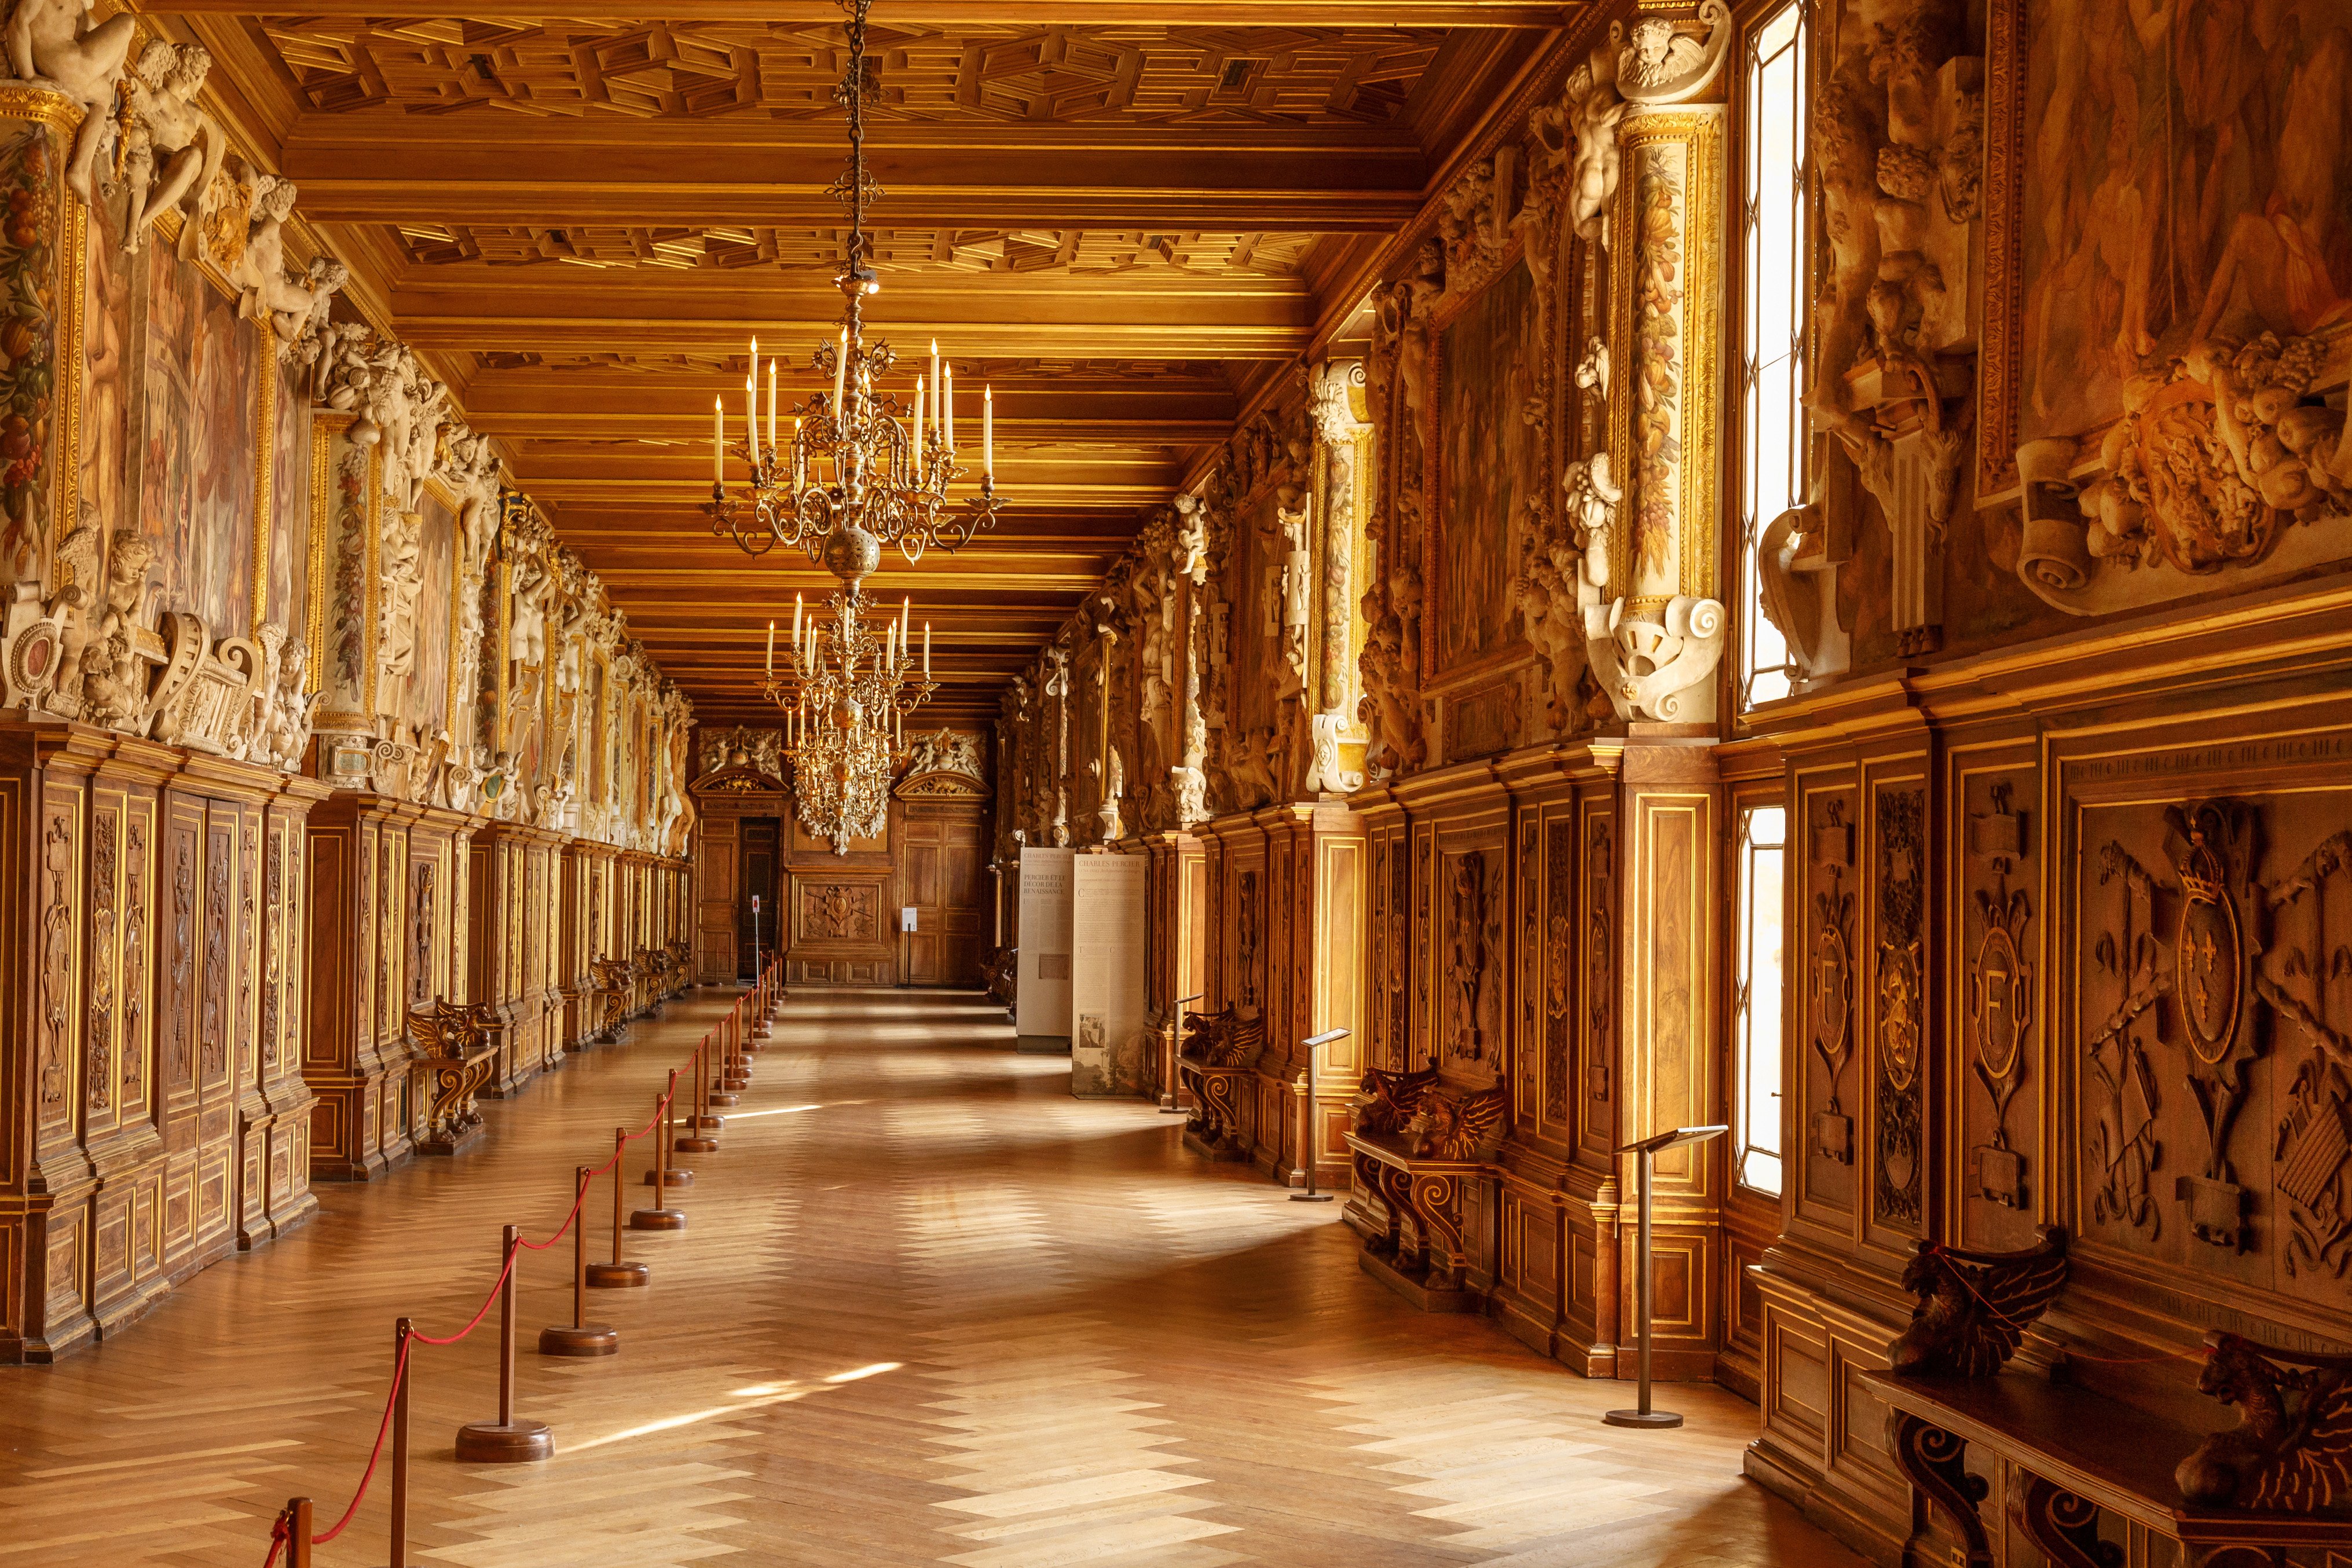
929	1309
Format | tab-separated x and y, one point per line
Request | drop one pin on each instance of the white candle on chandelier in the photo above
796	620
772	648
927	651
987	430
751	418
718	441
918	416
906	619
946	409
771	406
936	382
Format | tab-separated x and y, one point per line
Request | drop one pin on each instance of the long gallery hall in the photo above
1143	784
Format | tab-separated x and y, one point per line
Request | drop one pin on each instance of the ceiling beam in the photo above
1350	14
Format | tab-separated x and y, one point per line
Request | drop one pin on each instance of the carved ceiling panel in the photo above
825	250
703	366
1136	75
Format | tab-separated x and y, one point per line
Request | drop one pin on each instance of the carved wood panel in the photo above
1997	1073
1898	1013
2211	1017
1827	968
1597	1016
839	911
1559	953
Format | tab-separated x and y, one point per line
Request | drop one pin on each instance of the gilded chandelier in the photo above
859	458
845	688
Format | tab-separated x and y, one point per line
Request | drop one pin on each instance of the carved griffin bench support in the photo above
451	1058
610	987
2268	1494
1220	1055
1415	1148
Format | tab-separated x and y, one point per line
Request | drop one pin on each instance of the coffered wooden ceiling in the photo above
1130	218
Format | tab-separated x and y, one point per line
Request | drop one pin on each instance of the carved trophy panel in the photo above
1472	897
1826	963
1596	1003
2213	957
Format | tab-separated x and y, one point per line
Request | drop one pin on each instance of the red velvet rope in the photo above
279	1527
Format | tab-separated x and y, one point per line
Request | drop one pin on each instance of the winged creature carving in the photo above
2291	1451
1452	1126
1385	1101
1975	1306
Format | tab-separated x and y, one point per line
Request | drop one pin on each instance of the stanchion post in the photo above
660	1215
506	1441
298	1533
579	1337
1171	1088
716	1092
609	1276
735	1061
1307	1141
697	1126
406	1375
1647	1151
667	1173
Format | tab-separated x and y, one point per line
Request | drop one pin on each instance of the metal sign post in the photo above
1168	1106
1307	1133
755	944
1649	1149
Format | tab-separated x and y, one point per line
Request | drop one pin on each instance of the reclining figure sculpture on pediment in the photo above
57	43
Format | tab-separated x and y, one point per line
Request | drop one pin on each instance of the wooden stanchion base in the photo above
514	1442
707	1123
676	1176
565	1339
696	1144
618	1276
734	1082
658	1219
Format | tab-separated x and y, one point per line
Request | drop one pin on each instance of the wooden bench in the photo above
1220	1055
2065	1457
452	1057
1002	975
612	989
1414	1146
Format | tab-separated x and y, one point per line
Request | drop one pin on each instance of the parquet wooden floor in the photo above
929	1309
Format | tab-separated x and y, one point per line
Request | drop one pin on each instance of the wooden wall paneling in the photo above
1896	1162
1670	1022
1994	1075
153	1112
568	946
285	937
355	1067
1334	862
1825	968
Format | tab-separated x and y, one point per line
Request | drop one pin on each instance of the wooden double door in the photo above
943	875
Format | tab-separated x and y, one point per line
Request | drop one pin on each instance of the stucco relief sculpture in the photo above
1595	109
1897	134
1797	566
1335	762
1657	63
61	44
1398	386
1662	670
266	290
159	119
1564	581
2227	459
